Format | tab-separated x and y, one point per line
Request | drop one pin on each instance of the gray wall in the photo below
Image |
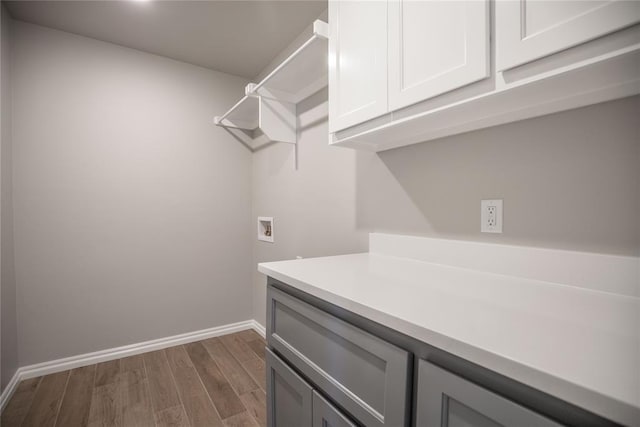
314	207
9	344
132	211
569	180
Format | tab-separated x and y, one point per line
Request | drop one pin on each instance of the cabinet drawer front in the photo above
364	374
325	415
289	397
447	400
527	30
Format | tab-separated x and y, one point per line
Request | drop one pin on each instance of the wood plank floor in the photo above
218	382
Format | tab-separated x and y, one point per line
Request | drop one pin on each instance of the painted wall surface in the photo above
569	181
8	319
132	211
314	206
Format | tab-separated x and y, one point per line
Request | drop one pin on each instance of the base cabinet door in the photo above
289	397
527	30
447	400
364	374
326	415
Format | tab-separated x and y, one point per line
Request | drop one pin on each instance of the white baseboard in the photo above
9	390
45	368
259	328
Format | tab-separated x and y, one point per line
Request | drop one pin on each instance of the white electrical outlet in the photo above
491	216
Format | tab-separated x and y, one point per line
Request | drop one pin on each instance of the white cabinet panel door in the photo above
357	62
435	46
530	29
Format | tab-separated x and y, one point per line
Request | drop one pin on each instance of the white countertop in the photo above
580	345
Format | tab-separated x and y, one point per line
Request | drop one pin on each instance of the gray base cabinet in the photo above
289	397
365	375
292	402
447	400
326	415
332	368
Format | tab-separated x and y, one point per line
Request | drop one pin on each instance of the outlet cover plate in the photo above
491	216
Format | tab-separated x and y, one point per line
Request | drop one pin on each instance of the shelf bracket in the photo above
320	31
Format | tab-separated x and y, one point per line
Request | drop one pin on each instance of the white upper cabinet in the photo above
357	62
435	47
409	71
531	29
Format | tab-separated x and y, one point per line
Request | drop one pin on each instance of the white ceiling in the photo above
236	37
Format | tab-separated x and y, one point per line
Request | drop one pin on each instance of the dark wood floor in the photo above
215	382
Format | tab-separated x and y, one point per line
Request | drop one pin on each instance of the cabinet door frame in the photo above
515	48
396	361
436	386
476	66
275	365
325	411
378	41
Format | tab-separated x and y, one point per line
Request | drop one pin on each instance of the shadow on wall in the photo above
327	185
569	180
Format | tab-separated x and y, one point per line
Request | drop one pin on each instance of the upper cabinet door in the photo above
357	62
435	47
530	29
